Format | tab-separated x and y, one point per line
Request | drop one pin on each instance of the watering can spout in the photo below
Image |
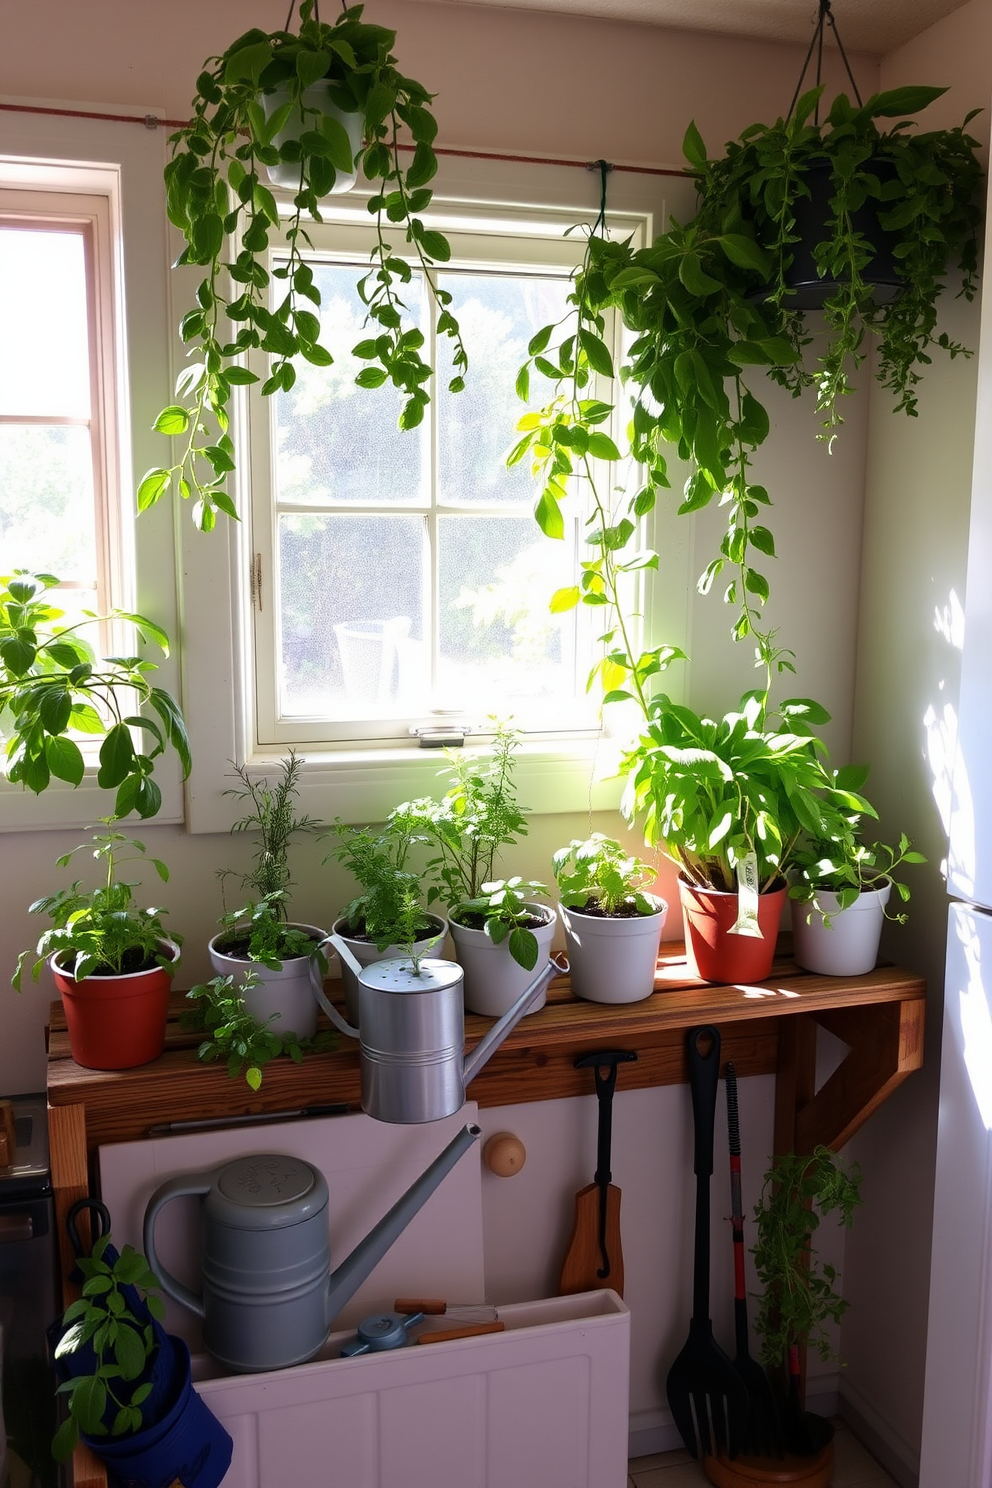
492	1040
348	1277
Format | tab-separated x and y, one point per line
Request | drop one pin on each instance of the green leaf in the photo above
695	278
116	757
311	66
338	144
745	253
548	515
435	245
64	760
596	352
564	599
371	377
174	420
523	947
601	447
153	486
692	146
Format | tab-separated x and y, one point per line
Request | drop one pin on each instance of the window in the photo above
83	371
399	577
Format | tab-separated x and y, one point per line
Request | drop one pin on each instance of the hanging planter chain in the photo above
825	14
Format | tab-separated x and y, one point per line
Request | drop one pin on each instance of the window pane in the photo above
335	442
46	501
44	357
500	648
498	315
352	615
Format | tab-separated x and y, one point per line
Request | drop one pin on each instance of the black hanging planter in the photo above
808	290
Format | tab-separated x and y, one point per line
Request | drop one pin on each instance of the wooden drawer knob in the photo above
504	1154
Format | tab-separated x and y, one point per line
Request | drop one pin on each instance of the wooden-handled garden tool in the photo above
594	1257
764	1429
705	1393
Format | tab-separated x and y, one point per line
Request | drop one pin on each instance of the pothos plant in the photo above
217	194
710	305
54	686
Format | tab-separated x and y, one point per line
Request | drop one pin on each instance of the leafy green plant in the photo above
847	868
101	931
477	817
272	814
715	792
600	874
216	192
235	1035
122	1341
799	1297
259	932
53	685
388	910
502	911
709	305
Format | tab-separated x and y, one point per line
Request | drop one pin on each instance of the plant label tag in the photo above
747	899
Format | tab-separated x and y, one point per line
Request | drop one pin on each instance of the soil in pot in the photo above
117	1022
712	953
612	957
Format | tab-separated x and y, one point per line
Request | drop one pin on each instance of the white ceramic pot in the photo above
365	954
613	960
285	993
848	946
318	96
493	980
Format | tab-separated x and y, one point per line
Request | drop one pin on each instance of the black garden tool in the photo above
706	1395
763	1437
594	1257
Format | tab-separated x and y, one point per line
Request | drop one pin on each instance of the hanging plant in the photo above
254	112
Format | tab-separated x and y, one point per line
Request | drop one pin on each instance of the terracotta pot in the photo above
493	980
712	953
749	1472
284	995
613	959
848	946
116	1022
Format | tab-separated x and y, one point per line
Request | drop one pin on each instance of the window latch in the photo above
436	736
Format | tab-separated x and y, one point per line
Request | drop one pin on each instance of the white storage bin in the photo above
542	1405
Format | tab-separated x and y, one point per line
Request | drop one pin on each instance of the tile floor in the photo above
853	1467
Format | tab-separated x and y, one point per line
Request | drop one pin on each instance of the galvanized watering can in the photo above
269	1296
412	1033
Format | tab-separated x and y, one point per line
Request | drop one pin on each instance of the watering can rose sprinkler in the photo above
411	1032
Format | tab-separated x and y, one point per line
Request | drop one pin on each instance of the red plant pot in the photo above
116	1022
711	951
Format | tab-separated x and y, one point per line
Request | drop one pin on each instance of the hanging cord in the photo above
604	167
316	11
825	14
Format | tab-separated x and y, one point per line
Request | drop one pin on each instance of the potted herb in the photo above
112	960
387	918
256	112
258	936
478	816
234	1034
612	924
731	801
840	891
54	686
127	1382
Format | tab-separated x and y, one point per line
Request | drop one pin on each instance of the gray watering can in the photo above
269	1297
411	1033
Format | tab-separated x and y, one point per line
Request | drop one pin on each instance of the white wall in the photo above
913	576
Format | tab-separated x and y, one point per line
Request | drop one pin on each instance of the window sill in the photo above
364	785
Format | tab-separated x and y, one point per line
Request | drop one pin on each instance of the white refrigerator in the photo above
957	1416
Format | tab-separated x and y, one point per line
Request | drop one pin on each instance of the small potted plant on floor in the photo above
731	800
128	1383
308	109
501	937
112	960
840	890
612	924
387	918
258	936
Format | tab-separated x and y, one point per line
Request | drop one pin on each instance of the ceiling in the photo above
864	25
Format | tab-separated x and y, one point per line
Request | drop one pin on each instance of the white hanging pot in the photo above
318	96
848	946
285	993
366	954
493	980
613	958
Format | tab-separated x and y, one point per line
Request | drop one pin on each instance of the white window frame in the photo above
111	173
361	784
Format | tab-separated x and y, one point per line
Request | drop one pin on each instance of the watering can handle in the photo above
316	985
556	966
190	1183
